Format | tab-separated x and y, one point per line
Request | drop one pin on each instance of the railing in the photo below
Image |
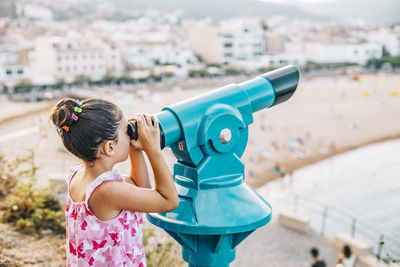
329	220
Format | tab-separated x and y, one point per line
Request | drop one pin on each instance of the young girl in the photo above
103	211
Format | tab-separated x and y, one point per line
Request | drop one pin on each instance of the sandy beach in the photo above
325	116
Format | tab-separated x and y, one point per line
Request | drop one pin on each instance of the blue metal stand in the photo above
208	134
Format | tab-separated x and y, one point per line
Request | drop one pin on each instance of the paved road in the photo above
276	246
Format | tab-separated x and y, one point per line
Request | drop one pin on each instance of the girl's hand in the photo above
117	196
148	134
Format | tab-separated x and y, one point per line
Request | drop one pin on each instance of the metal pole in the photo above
353	228
295	203
324	219
380	245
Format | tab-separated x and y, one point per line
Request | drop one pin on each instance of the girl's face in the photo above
123	144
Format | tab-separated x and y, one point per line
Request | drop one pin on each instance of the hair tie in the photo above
65	127
77	110
79	103
74	117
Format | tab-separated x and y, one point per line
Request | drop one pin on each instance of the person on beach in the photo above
346	258
317	261
104	209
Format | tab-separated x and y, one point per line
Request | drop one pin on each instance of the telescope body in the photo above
208	135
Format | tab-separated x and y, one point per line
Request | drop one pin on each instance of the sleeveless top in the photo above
93	242
350	261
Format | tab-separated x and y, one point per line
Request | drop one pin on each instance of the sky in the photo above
302	1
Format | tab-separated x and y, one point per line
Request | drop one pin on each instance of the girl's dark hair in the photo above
347	251
98	122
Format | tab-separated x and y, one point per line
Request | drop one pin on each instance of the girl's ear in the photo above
108	148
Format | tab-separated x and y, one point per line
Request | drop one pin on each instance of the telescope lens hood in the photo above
284	80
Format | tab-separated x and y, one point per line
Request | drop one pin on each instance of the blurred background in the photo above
327	159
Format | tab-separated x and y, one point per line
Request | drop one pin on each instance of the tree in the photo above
109	78
81	79
23	86
385	52
264	25
232	71
126	78
198	73
155	77
60	83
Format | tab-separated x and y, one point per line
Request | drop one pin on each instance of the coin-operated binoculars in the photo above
208	135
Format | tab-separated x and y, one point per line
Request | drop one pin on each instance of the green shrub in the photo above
81	79
29	207
7	177
233	71
109	78
20	169
24	84
198	73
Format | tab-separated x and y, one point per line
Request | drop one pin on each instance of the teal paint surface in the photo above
217	209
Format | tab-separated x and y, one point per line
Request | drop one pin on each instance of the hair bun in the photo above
61	114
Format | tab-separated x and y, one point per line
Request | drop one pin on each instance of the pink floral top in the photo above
93	242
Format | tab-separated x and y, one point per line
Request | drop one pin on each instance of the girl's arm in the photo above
139	173
115	196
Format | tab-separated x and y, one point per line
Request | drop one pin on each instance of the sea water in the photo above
359	192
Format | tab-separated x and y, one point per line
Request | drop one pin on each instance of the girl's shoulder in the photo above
72	171
108	175
112	175
76	167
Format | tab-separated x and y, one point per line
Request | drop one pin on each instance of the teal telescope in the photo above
208	135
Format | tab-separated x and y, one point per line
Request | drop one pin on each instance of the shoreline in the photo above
292	165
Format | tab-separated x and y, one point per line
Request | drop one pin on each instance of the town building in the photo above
231	40
275	42
66	59
358	53
388	38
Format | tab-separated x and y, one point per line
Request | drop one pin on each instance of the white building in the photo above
387	38
13	65
112	54
358	53
66	59
148	55
34	11
8	54
232	40
10	74
267	61
242	39
114	62
361	53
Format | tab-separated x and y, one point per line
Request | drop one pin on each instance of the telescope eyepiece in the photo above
133	132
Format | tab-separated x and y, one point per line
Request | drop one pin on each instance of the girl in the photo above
346	258
103	211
